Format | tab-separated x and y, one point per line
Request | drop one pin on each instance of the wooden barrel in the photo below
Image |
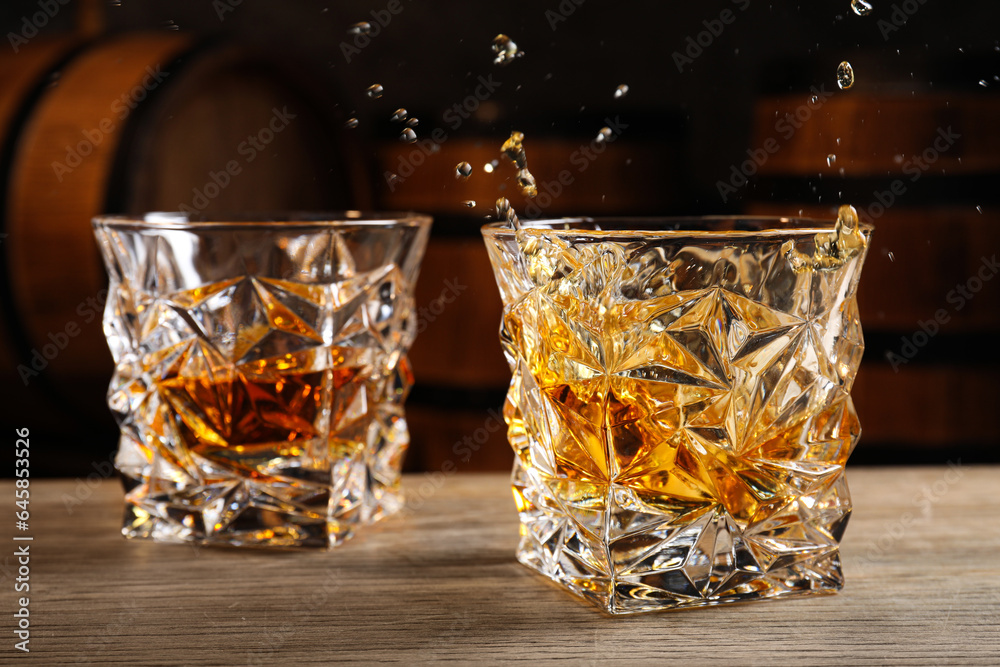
921	168
130	124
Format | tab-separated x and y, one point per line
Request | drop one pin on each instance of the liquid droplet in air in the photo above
982	82
351	123
861	8
505	50
892	258
462	170
413	122
603	135
505	213
621	91
513	149
526	182
488	167
398	115
408	135
362	28
845	75
831	159
374	91
469	203
170	25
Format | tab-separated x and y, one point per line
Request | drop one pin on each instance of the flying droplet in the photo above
170	25
526	182
845	75
814	99
892	258
408	135
505	50
621	91
488	167
861	8
513	149
362	28
603	135
374	91
469	203
982	82
398	115
351	123
413	122
505	213
980	209
831	159
462	170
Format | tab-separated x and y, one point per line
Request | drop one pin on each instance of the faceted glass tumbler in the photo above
260	372
680	404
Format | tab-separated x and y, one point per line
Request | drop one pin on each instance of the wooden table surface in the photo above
440	583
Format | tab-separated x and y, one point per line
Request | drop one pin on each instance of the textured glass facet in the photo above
260	375
680	407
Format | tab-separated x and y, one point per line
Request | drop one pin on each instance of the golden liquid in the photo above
672	412
252	415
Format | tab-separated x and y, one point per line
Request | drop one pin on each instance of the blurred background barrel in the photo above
923	169
696	103
129	124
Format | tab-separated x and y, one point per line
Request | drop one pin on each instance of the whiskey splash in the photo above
834	248
513	150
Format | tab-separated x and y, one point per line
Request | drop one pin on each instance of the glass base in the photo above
301	512
626	558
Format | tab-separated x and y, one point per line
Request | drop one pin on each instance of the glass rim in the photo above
262	220
706	227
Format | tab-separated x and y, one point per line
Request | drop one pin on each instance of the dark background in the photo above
685	132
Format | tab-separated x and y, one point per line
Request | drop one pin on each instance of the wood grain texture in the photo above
439	583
